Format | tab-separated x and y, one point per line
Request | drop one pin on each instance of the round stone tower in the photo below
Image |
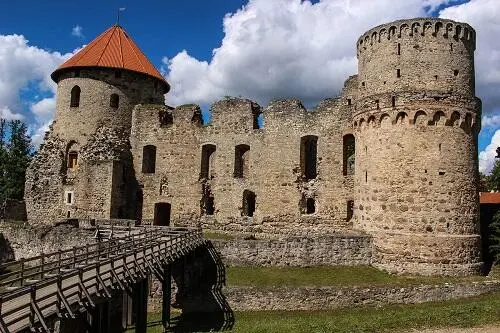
102	83
84	167
416	123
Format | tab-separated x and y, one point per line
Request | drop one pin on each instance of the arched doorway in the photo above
162	214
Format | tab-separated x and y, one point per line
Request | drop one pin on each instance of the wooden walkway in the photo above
36	289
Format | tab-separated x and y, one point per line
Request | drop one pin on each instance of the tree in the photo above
18	158
494	239
494	177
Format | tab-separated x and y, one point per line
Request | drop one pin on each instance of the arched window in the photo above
241	161
207	156
75	97
114	101
248	203
349	149
148	159
308	156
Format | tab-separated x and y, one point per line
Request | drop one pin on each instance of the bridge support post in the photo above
166	288
141	306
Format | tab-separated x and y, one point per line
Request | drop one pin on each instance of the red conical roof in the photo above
113	49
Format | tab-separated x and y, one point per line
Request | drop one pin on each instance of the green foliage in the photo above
494	237
328	276
493	180
15	155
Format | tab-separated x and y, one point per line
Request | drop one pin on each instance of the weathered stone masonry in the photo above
394	156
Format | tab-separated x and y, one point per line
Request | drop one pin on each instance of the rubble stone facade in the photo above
394	156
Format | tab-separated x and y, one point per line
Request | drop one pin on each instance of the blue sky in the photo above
265	49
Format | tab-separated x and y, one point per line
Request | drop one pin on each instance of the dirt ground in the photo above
480	329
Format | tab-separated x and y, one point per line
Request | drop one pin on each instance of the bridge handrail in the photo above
26	268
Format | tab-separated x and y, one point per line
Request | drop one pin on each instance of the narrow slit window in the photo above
399	48
310	206
398	73
248	203
149	159
241	153
349	101
75	97
377	103
349	151
393	101
308	156
366	176
350	210
114	101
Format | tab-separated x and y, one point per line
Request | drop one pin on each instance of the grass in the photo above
476	311
327	276
213	235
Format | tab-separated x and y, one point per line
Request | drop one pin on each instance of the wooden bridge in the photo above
37	294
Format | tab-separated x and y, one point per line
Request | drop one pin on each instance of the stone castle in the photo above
393	157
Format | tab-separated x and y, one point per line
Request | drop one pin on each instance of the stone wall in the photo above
323	298
13	210
346	250
28	241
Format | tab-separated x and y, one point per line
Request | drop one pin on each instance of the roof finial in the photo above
121	9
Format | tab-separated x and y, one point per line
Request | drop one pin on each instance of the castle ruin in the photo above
394	156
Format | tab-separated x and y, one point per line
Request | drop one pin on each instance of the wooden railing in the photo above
34	289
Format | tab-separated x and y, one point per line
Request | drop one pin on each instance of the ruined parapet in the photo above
235	115
416	124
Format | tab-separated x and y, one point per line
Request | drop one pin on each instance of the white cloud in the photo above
491	121
77	31
484	17
7	114
285	48
487	156
23	66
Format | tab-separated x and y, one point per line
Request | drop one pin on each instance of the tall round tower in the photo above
84	167
416	124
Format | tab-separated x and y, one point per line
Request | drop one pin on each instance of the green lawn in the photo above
392	318
326	276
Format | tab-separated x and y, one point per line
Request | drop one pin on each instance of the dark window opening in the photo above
349	102
455	72
377	102
366	176
440	145
308	156
69	197
451	47
362	84
257	117
118	74
68	214
241	153
75	97
165	118
442	173
349	149
114	101
72	160
207	156
398	73
350	209
399	48
207	201
310	206
393	100
162	214
248	203
435	77
148	159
